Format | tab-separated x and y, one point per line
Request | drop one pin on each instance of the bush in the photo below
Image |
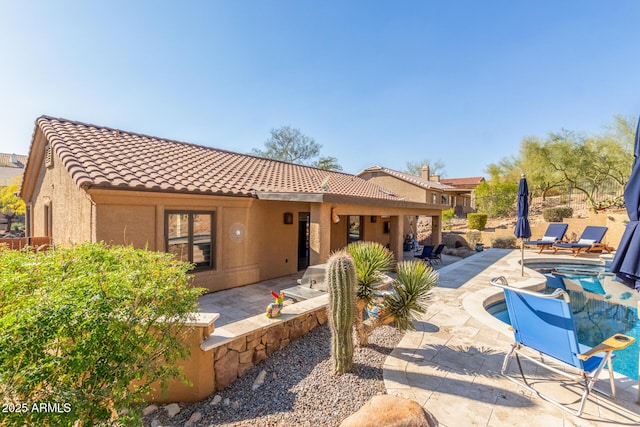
477	221
89	328
504	242
557	214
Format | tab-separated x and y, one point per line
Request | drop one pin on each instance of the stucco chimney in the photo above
434	178
424	172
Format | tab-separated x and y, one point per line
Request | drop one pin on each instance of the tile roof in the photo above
97	156
416	180
473	180
13	160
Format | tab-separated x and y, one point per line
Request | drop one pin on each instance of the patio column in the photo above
396	238
319	233
436	230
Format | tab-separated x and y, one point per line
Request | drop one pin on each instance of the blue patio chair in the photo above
436	256
589	241
554	233
427	251
544	323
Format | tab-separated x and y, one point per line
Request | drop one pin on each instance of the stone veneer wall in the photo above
232	359
221	355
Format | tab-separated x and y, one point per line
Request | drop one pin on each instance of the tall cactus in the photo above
341	286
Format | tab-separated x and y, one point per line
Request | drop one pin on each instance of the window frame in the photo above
190	236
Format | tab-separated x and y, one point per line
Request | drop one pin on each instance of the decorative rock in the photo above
259	380
149	410
172	409
390	411
226	369
226	402
216	400
195	417
235	404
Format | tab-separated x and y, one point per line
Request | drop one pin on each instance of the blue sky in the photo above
374	82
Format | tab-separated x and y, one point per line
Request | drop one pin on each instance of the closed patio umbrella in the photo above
626	263
523	230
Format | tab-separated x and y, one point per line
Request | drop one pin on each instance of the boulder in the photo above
390	411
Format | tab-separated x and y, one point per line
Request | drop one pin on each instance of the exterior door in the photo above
304	218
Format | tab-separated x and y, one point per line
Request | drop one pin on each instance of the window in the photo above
444	200
48	220
190	237
434	198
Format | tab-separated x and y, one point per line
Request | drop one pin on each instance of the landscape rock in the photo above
149	409
172	409
195	417
259	380
216	400
390	411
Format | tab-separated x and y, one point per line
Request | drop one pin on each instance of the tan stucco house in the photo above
11	166
239	218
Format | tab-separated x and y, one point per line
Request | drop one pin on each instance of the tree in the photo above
435	167
291	145
10	204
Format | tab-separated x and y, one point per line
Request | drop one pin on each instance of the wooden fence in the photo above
17	243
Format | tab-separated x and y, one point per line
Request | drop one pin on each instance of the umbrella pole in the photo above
522	257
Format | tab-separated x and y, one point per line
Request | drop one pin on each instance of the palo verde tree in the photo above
10	204
291	145
89	329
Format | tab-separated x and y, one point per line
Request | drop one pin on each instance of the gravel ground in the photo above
299	389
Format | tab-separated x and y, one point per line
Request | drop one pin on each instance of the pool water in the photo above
601	307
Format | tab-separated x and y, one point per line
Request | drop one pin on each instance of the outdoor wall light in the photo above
335	218
374	218
288	218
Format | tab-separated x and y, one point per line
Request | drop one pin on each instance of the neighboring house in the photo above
464	187
11	166
421	189
240	219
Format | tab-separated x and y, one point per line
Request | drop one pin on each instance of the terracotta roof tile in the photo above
416	180
13	160
97	156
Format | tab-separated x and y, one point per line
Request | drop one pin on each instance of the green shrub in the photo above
89	328
477	221
557	214
504	242
447	217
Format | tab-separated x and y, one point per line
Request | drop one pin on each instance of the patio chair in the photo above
436	256
589	241
554	233
427	252
544	323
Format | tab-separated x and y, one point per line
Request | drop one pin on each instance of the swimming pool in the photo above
601	307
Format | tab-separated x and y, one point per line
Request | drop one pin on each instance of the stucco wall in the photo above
71	209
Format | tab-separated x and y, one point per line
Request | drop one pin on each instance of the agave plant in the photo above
414	280
402	305
371	260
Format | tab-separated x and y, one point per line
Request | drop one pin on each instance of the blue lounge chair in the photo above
437	254
589	241
427	252
544	323
554	234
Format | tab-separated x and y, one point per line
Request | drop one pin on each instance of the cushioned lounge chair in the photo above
436	256
427	252
543	326
590	241
555	233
